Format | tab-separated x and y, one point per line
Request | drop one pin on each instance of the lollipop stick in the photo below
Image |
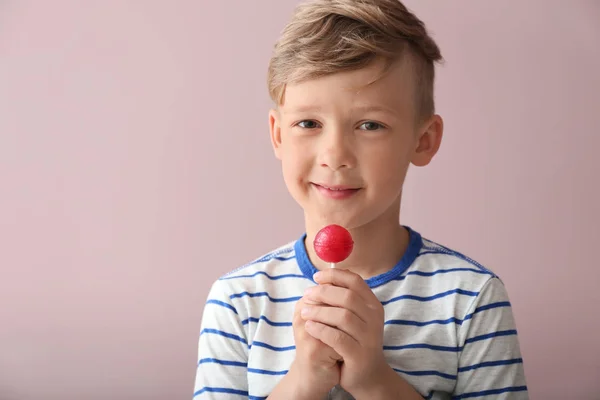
332	265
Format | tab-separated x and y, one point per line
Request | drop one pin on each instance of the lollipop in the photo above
333	244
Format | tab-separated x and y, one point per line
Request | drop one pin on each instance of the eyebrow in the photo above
305	108
375	108
365	108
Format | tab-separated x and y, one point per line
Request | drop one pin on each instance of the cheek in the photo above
293	170
388	170
296	158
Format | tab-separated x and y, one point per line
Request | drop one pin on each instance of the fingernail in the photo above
317	275
304	312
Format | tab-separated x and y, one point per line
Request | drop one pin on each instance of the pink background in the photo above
135	168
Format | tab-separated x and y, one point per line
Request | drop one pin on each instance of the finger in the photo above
311	302
297	321
338	340
339	297
300	332
346	279
340	318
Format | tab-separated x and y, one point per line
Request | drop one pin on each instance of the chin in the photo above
350	218
347	220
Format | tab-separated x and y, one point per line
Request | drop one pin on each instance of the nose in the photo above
336	149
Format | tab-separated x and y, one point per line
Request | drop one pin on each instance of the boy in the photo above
402	317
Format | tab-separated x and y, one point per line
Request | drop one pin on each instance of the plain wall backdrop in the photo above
135	169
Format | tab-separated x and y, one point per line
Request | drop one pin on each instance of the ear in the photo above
429	139
275	129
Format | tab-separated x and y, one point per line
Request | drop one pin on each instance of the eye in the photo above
308	124
371	126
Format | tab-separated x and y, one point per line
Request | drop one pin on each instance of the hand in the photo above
316	363
350	320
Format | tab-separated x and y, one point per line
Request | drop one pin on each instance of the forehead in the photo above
372	85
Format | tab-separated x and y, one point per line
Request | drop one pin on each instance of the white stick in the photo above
332	265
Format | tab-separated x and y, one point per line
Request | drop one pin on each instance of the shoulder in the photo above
264	262
438	253
457	272
456	283
451	279
450	267
273	268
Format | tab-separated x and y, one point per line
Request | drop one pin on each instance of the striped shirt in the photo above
449	329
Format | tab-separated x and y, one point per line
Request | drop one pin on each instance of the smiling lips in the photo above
337	192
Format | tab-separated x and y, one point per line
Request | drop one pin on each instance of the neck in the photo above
378	246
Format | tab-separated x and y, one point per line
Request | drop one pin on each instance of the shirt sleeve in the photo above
490	365
222	350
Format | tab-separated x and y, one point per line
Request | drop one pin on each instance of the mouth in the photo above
338	192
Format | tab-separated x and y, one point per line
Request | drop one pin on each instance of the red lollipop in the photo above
333	244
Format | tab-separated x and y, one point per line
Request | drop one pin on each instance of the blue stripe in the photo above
274	348
451	320
413	323
274	255
222	362
430	298
488	307
271	277
445	250
423	346
427	373
491	364
220	390
224	334
399	278
491	391
265	294
490	335
285	258
222	304
423	323
446	271
228	391
266	372
268	321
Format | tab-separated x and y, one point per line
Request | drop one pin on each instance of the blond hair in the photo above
329	36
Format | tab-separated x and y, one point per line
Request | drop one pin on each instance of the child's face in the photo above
338	132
